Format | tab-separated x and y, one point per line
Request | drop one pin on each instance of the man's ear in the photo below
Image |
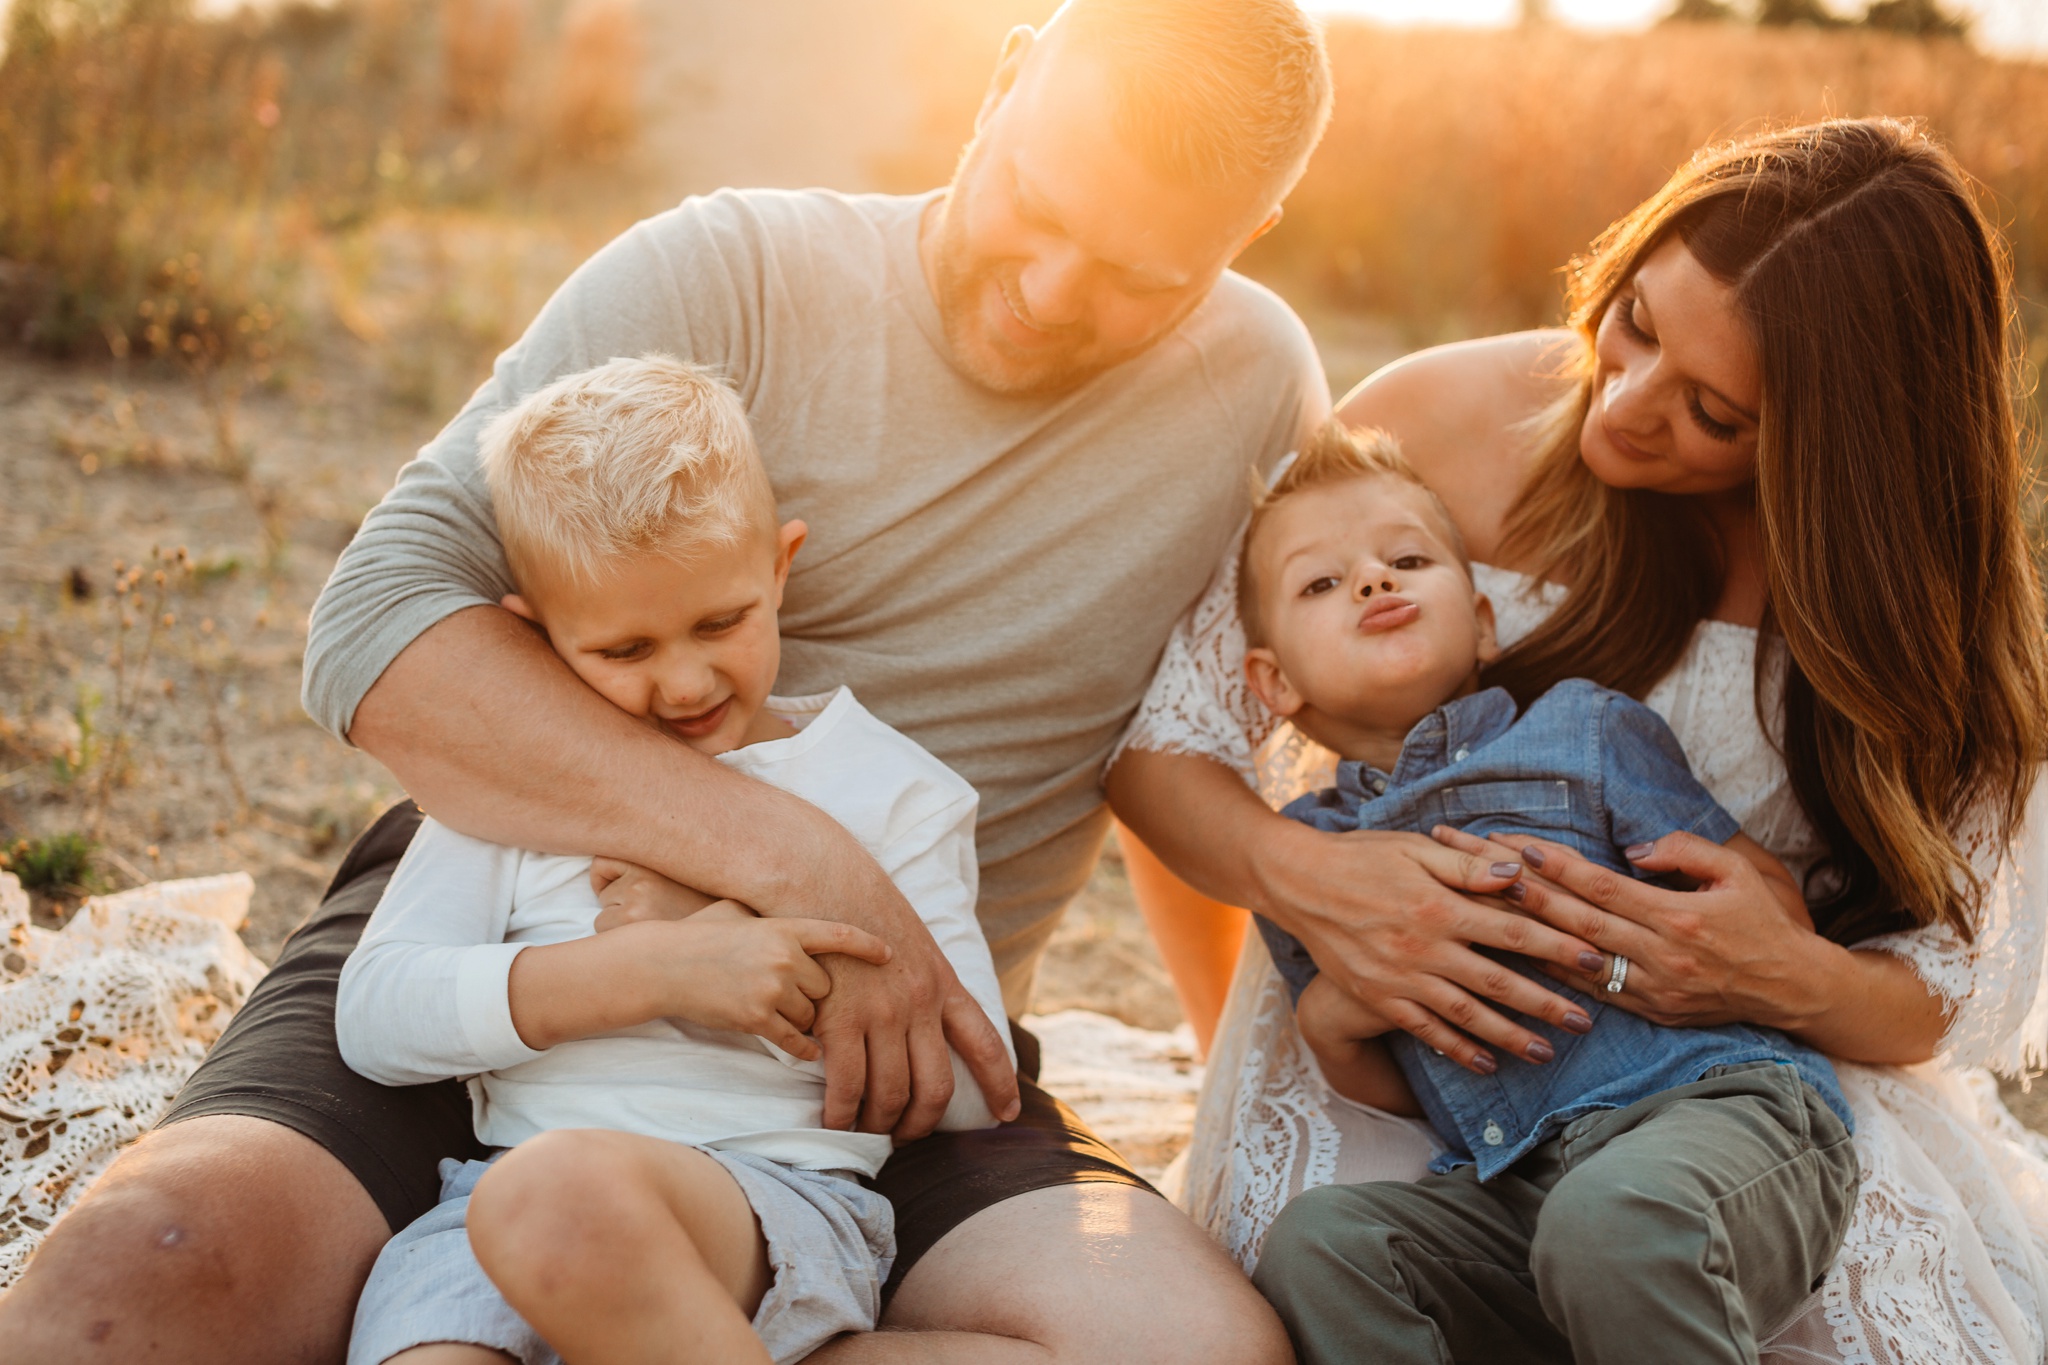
1262	671
1017	45
518	606
1489	638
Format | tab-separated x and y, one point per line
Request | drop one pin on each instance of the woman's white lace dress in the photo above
1946	1260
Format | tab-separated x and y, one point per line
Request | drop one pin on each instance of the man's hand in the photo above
885	1028
630	894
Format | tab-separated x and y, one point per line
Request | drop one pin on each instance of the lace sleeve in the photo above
1994	988
1199	702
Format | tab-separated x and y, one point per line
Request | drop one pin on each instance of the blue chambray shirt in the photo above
1589	768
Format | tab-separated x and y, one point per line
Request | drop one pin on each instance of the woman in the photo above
1769	481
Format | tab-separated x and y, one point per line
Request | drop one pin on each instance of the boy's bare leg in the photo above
218	1238
1073	1275
621	1249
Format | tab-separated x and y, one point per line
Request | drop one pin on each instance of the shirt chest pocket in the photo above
1548	800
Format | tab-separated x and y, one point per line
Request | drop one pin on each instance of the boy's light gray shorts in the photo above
830	1243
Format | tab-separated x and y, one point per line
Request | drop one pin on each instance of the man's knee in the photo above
215	1221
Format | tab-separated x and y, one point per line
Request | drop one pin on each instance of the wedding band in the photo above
1617	976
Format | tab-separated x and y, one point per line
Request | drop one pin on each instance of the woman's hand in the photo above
1393	919
1733	950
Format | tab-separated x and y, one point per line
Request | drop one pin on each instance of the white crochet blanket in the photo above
100	1024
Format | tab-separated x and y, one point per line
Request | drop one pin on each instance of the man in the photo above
1018	416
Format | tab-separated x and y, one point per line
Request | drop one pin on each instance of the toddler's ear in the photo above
1262	671
1489	638
518	606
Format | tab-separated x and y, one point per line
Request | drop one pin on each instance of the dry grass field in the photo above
248	264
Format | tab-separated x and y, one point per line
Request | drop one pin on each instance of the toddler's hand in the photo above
1330	1016
1346	1038
727	968
630	894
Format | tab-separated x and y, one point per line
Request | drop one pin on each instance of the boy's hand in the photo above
630	894
726	968
1328	1015
1346	1038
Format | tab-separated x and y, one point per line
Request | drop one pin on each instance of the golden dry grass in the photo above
1463	168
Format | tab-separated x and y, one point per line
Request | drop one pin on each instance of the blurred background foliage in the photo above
147	150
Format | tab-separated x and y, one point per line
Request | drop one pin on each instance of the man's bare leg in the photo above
218	1238
1073	1275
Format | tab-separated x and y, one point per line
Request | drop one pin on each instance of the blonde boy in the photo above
665	1186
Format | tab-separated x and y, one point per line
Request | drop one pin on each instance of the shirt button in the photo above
1493	1135
1379	784
1461	755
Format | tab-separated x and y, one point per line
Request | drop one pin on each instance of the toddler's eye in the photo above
1318	586
1411	562
639	649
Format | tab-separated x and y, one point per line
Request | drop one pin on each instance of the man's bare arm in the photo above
495	736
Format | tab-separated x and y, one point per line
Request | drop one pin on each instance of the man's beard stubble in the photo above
960	283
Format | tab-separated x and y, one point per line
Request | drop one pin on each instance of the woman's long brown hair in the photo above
1888	492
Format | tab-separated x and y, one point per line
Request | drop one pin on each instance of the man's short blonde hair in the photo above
1334	454
1211	92
633	456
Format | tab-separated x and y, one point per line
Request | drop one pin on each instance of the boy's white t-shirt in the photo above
425	995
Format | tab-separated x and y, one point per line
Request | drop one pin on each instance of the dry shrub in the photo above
480	48
135	132
1462	169
595	104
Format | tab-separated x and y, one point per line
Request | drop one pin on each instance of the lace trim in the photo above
100	1024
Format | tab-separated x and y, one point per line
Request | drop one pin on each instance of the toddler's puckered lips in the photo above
1386	613
699	725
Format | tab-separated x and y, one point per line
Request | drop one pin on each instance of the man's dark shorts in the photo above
279	1060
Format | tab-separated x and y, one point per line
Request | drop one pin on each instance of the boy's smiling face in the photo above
1370	619
687	645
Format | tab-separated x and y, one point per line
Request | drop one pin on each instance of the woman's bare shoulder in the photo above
1466	386
1461	413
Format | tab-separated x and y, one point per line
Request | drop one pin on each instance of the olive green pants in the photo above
1676	1230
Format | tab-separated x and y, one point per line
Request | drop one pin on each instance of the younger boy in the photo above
1713	1164
670	1190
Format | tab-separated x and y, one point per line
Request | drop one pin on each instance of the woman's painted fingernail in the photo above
1533	856
1506	869
1591	962
1578	1023
1637	852
1515	892
1539	1051
1484	1064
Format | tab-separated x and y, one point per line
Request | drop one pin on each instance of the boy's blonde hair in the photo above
650	454
1334	454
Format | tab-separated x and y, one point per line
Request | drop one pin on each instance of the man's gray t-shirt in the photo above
994	576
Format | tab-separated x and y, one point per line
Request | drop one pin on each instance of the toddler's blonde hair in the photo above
1334	454
635	455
